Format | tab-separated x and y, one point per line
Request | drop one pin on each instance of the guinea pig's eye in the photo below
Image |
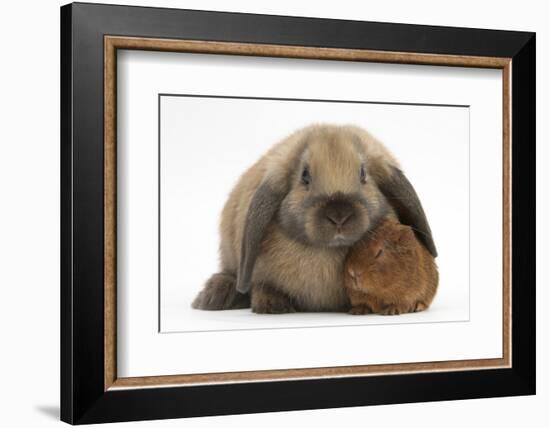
363	174
306	177
379	253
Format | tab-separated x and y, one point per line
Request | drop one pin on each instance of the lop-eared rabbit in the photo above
289	222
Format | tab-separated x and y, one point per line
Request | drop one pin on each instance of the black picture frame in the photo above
83	398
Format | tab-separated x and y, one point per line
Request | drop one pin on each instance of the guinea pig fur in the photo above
389	272
290	220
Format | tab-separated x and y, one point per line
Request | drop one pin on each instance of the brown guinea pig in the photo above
389	272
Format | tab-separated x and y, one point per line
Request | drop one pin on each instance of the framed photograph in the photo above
266	213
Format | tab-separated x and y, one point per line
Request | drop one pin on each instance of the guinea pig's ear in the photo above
403	198
405	234
263	206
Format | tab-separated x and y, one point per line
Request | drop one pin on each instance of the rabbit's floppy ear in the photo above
402	197
263	206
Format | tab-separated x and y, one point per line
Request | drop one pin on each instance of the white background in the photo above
200	164
432	144
29	231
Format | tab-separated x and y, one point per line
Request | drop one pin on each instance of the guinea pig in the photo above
389	272
290	220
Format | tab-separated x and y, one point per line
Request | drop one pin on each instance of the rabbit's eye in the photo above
306	177
363	174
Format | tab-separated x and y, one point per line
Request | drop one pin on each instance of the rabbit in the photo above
389	272
290	220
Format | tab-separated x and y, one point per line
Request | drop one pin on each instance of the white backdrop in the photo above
142	351
207	143
29	165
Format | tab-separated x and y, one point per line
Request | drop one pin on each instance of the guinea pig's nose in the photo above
354	279
338	214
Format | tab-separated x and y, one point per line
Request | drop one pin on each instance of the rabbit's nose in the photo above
339	214
338	220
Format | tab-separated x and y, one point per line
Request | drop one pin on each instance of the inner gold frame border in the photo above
113	43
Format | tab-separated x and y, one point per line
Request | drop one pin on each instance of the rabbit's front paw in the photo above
266	299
